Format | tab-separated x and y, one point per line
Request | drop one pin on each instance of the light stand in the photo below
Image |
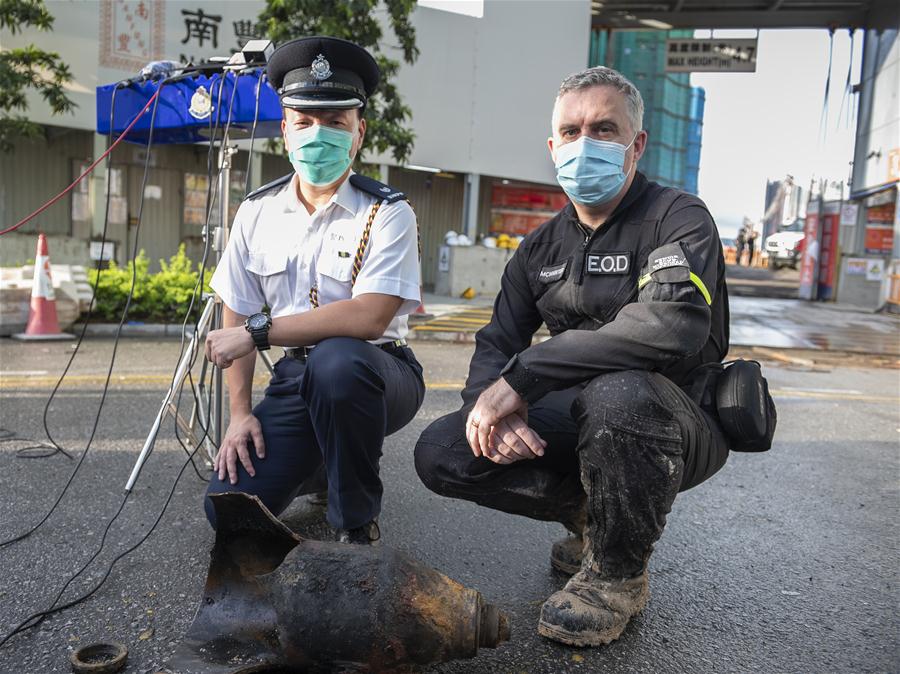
210	398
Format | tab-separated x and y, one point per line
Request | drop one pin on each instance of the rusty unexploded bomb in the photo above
275	602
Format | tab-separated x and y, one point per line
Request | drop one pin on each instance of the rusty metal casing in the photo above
275	602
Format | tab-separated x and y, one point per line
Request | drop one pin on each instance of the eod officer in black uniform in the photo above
334	257
600	426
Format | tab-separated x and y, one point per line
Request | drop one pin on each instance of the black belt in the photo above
301	353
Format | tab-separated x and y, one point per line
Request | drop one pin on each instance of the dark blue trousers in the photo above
336	407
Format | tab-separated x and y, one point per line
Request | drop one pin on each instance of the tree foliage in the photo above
28	68
358	21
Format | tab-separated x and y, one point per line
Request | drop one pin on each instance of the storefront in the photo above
870	222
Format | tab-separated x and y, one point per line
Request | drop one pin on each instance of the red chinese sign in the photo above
131	33
519	210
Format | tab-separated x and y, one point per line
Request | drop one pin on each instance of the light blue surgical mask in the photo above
319	154
591	171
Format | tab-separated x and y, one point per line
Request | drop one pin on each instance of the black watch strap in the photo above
261	338
260	334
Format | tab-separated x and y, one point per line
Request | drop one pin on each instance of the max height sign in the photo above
711	55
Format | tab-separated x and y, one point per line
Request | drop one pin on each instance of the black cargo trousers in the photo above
624	444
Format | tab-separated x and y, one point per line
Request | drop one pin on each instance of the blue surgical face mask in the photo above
319	154
591	171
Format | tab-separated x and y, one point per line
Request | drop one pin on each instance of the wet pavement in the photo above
762	282
795	324
783	562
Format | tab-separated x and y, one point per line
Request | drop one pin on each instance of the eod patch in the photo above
607	263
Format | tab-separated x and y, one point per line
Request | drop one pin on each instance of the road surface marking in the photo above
9	384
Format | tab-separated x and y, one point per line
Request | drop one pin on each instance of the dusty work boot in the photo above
591	611
367	534
567	553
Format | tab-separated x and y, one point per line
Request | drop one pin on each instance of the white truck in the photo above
785	246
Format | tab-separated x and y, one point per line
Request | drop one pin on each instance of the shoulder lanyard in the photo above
357	261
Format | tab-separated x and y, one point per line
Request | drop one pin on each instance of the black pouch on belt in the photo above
746	410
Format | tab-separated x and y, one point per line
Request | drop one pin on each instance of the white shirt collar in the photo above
345	197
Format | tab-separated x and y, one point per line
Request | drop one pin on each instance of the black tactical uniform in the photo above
638	313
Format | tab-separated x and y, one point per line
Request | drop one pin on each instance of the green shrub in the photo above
162	297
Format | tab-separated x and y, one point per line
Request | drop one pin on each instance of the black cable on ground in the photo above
212	129
29	452
36	618
212	193
117	338
90	311
36	450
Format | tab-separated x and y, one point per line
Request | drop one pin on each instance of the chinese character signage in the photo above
131	33
715	55
880	210
135	32
201	27
206	34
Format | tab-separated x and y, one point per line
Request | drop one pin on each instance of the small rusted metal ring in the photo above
99	658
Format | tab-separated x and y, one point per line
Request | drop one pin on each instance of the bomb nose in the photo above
493	627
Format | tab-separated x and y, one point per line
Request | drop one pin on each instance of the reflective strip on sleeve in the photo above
696	280
701	287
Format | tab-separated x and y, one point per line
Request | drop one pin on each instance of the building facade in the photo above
673	110
481	95
785	203
869	261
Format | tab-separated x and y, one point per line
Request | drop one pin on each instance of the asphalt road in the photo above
762	281
783	562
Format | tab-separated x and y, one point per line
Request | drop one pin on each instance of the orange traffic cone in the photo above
42	321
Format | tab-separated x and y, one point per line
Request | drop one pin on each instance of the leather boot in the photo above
567	553
592	611
631	471
367	534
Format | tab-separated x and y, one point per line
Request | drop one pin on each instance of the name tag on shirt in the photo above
607	263
553	273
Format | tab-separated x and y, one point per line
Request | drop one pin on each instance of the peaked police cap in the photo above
322	72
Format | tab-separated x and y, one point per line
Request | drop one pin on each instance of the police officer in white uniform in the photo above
334	257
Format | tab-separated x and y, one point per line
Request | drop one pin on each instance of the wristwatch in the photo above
258	326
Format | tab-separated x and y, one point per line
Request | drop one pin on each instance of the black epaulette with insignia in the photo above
376	189
269	186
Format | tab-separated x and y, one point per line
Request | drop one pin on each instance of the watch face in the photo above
257	321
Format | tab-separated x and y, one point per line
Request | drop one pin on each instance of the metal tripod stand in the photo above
208	409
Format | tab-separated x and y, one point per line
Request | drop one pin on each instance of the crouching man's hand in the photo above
497	427
225	346
235	447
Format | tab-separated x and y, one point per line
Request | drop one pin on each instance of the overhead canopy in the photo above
665	14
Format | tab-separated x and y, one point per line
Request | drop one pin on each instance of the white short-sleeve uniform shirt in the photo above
277	251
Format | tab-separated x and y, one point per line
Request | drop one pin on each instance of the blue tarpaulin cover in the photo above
175	123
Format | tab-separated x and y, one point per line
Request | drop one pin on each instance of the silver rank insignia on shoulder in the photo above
320	68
